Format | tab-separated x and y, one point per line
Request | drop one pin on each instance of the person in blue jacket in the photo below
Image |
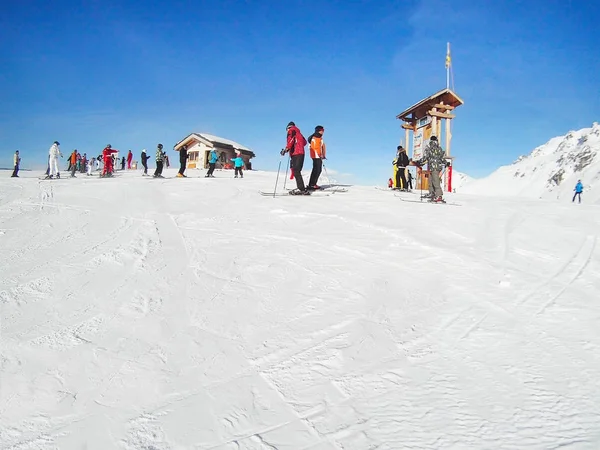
212	162
578	190
238	163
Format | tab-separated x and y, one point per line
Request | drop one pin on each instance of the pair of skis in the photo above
287	194
426	201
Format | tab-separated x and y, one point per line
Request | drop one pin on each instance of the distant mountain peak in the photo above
551	170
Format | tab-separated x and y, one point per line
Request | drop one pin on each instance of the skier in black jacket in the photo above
401	163
183	156
145	159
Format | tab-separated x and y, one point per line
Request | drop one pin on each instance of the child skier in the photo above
160	157
238	163
212	162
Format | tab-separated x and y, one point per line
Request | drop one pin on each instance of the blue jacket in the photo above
238	162
213	157
579	187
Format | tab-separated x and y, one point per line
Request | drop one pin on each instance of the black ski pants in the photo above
145	164
159	168
297	163
400	178
182	167
211	168
16	171
316	172
238	170
577	194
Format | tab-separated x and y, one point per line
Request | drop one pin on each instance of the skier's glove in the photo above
283	151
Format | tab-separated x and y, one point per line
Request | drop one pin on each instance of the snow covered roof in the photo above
215	140
446	95
220	140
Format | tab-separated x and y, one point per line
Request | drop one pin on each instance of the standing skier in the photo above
145	159
17	161
129	159
435	156
317	154
183	156
578	190
212	162
238	163
401	162
159	161
73	163
295	145
107	157
54	153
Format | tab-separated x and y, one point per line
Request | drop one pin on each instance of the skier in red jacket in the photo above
295	145
108	161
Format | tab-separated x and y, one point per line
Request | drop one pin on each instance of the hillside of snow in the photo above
141	313
459	180
550	171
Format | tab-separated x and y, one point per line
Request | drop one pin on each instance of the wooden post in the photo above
448	172
434	129
406	137
448	137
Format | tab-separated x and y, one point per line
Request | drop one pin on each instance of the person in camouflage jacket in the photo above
435	156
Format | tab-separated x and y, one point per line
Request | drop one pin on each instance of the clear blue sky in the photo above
133	73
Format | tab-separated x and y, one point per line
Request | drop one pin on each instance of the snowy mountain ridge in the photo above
550	171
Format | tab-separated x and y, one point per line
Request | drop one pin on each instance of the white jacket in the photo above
17	159
55	151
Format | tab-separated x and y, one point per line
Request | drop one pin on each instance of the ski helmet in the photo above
434	138
319	128
108	146
291	124
160	146
57	143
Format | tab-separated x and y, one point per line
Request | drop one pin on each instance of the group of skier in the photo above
433	155
295	147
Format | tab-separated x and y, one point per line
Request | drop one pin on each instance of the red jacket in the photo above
108	151
295	141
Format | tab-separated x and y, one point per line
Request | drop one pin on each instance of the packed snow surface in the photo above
142	313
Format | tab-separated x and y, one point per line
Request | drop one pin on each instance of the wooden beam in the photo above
441	115
444	107
408	127
406	119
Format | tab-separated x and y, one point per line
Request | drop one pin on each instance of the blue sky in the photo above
135	73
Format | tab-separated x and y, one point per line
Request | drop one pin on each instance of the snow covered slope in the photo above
550	171
195	314
460	180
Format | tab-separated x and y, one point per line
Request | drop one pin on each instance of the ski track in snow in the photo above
172	314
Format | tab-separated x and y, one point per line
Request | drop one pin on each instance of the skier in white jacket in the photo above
54	154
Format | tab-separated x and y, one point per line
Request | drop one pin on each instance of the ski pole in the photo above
277	179
329	179
287	166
